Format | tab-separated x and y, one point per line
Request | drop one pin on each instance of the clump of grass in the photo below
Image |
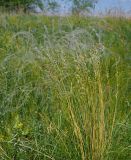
64	92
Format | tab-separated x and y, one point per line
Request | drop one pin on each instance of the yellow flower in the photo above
1	138
18	124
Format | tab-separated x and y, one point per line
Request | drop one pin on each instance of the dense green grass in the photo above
65	88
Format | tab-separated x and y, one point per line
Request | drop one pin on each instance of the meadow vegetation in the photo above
65	88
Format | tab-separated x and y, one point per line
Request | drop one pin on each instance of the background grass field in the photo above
65	88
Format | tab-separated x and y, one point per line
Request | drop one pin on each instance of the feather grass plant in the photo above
64	91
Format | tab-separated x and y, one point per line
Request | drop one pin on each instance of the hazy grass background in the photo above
65	88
